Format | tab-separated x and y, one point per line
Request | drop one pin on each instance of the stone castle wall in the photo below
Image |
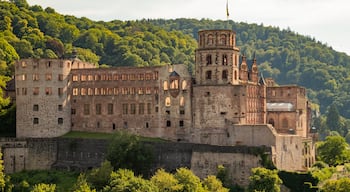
84	154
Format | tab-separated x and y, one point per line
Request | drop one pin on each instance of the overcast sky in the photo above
326	20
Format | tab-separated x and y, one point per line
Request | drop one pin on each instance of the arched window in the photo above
208	75
224	59
224	74
272	122
167	101
208	59
165	86
223	39
210	39
235	75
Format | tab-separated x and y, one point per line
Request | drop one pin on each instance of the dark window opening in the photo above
208	75
223	113
98	124
208	59
168	123
35	107
147	125
125	124
224	74
36	120
167	112
207	93
182	112
73	111
113	126
181	123
60	121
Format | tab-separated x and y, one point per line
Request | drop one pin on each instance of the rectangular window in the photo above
36	120
125	108
141	77
181	123
103	77
124	91
116	77
24	91
60	121
35	77
109	77
132	77
36	91
140	91
132	109
83	91
115	91
124	77
75	78
149	108
35	107
73	111
48	64
60	77
168	123
148	90
110	108
48	91
148	76
90	91
48	76
83	77
98	109
60	91
97	91
141	108
60	107
86	109
182	112
90	78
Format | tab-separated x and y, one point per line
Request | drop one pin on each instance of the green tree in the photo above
334	151
81	185
188	180
125	180
165	181
42	187
99	177
212	184
264	180
341	185
126	151
3	101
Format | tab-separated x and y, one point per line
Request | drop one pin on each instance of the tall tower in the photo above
217	58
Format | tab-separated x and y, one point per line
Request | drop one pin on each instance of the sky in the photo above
328	21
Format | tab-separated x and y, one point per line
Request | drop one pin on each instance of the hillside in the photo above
31	31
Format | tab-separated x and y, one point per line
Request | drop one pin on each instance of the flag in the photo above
227	13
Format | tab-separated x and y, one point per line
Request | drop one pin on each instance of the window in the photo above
98	109
184	85
165	85
48	91
182	112
90	91
116	91
75	91
60	77
75	78
116	77
36	120
97	91
132	91
109	77
124	77
24	91
224	74
132	109
224	60
60	121
36	91
60	91
149	108
181	123
174	84
168	123
110	108
103	77
182	101
24	64
35	77
83	91
124	91
140	91
285	123
60	107
223	39
148	90
167	101
35	107
73	111
141	108
208	59
132	77
149	76
86	109
208	75
48	76
90	77
141	77
97	77
125	109
210	39
83	78
272	122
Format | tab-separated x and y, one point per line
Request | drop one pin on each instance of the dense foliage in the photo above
263	179
334	151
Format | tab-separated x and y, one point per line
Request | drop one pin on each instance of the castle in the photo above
226	103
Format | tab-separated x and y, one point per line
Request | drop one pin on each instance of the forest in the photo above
290	58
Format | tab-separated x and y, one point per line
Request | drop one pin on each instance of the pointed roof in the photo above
262	80
174	74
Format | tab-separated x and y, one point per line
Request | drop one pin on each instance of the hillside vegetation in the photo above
290	58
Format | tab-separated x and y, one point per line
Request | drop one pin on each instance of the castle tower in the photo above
217	58
253	72
243	75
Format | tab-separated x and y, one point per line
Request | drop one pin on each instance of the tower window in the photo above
36	120
35	107
168	123
208	75
181	123
208	59
224	60
224	74
60	121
